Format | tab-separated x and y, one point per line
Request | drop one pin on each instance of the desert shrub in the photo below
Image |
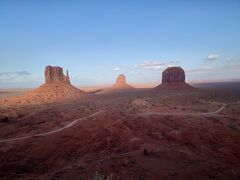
102	177
98	176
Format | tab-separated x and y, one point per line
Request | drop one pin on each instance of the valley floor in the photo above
141	134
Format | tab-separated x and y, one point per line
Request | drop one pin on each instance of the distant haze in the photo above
97	40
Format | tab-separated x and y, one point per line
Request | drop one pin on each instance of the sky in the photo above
97	40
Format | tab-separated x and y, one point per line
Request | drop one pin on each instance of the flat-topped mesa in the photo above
173	75
173	79
54	74
121	83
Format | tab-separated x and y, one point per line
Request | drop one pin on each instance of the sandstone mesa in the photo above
55	74
121	83
173	78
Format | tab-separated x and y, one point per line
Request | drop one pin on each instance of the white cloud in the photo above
212	57
118	68
13	76
199	69
232	61
19	79
156	65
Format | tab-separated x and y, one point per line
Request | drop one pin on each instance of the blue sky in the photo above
97	40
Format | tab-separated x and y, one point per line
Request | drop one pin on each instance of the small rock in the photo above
142	178
4	119
173	174
145	152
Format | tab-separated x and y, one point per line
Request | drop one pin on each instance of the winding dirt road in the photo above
214	113
95	114
53	131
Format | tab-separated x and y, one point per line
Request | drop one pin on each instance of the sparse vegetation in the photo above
98	176
145	152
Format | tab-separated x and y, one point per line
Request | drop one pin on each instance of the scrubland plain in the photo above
122	134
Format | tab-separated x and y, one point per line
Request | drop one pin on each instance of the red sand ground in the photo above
120	141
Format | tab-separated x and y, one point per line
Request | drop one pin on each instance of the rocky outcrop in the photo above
57	87
173	79
121	80
173	75
54	74
121	83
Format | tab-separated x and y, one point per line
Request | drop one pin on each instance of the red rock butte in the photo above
121	83
57	87
173	78
173	75
55	74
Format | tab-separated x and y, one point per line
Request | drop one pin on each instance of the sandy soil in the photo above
12	92
119	142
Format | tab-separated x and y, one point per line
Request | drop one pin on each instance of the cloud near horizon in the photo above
232	61
156	65
213	57
200	69
118	68
16	79
13	76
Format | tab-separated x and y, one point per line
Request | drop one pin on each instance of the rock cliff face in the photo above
173	79
54	74
121	80
173	75
121	83
57	87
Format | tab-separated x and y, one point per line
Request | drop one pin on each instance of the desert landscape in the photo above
120	90
173	131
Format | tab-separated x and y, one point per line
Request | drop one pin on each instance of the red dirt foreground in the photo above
135	135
